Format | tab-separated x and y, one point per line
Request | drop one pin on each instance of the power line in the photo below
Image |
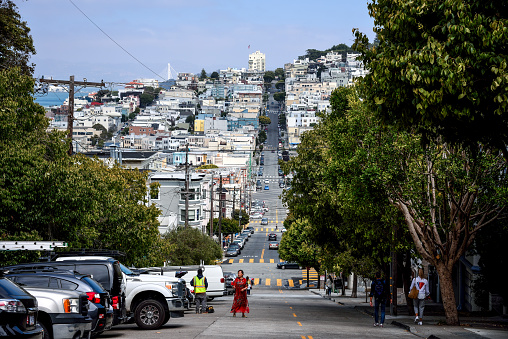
116	43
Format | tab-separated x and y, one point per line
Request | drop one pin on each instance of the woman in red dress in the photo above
240	303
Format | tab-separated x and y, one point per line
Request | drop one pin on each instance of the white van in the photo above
213	274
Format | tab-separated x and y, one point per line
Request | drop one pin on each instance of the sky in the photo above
188	34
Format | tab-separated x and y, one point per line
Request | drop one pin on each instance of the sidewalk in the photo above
433	324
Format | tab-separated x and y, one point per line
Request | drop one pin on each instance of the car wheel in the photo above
150	314
283	267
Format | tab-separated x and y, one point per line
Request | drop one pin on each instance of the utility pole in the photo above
211	207
220	211
234	198
71	83
187	186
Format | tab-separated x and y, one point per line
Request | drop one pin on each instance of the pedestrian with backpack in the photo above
379	291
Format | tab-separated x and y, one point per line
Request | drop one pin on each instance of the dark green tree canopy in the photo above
269	76
214	75
16	45
440	67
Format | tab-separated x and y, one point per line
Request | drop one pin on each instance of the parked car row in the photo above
83	296
236	246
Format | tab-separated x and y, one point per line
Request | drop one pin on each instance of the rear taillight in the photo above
94	297
222	280
12	306
114	302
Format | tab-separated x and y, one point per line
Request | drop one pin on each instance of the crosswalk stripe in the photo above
231	261
240	261
251	261
272	261
267	283
256	281
291	283
279	282
261	261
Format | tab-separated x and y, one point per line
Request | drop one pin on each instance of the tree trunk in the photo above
447	293
355	286
406	280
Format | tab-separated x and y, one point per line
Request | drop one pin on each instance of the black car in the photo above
285	264
251	229
272	237
107	272
18	311
67	280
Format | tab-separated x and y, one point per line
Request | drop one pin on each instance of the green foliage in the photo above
262	136
279	72
264	120
214	75
228	226
189	246
245	217
146	99
314	54
279	96
281	84
269	76
16	44
440	68
295	245
203	75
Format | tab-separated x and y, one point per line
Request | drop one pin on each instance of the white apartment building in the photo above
257	61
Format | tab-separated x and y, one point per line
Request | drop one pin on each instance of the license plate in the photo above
31	319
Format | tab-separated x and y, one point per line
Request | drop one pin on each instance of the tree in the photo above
146	99
207	166
264	120
440	68
280	84
269	76
190	246
279	72
228	226
296	246
262	136
245	217
279	96
214	75
16	44
203	74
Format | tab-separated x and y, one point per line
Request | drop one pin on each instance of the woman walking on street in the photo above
422	285
329	285
240	302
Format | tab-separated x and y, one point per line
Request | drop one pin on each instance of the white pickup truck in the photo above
150	301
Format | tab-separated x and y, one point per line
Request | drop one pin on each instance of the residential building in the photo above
257	61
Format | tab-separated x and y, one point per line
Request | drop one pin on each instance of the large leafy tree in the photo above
16	45
440	67
190	246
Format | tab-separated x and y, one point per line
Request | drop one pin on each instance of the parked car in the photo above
229	277
102	320
236	247
239	242
246	233
283	265
106	272
149	301
256	215
18	311
272	237
264	221
251	229
63	313
273	245
231	252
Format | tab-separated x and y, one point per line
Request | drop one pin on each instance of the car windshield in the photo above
127	271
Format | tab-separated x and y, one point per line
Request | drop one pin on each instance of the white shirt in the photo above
422	285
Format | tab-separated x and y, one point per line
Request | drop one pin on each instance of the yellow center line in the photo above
291	307
303	337
294	315
310	337
262	253
299	323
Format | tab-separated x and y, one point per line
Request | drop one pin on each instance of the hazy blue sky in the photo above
190	34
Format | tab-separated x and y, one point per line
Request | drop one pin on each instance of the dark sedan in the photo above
283	265
272	237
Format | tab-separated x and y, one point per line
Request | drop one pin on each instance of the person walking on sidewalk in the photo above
240	302
200	285
329	285
379	291
422	285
